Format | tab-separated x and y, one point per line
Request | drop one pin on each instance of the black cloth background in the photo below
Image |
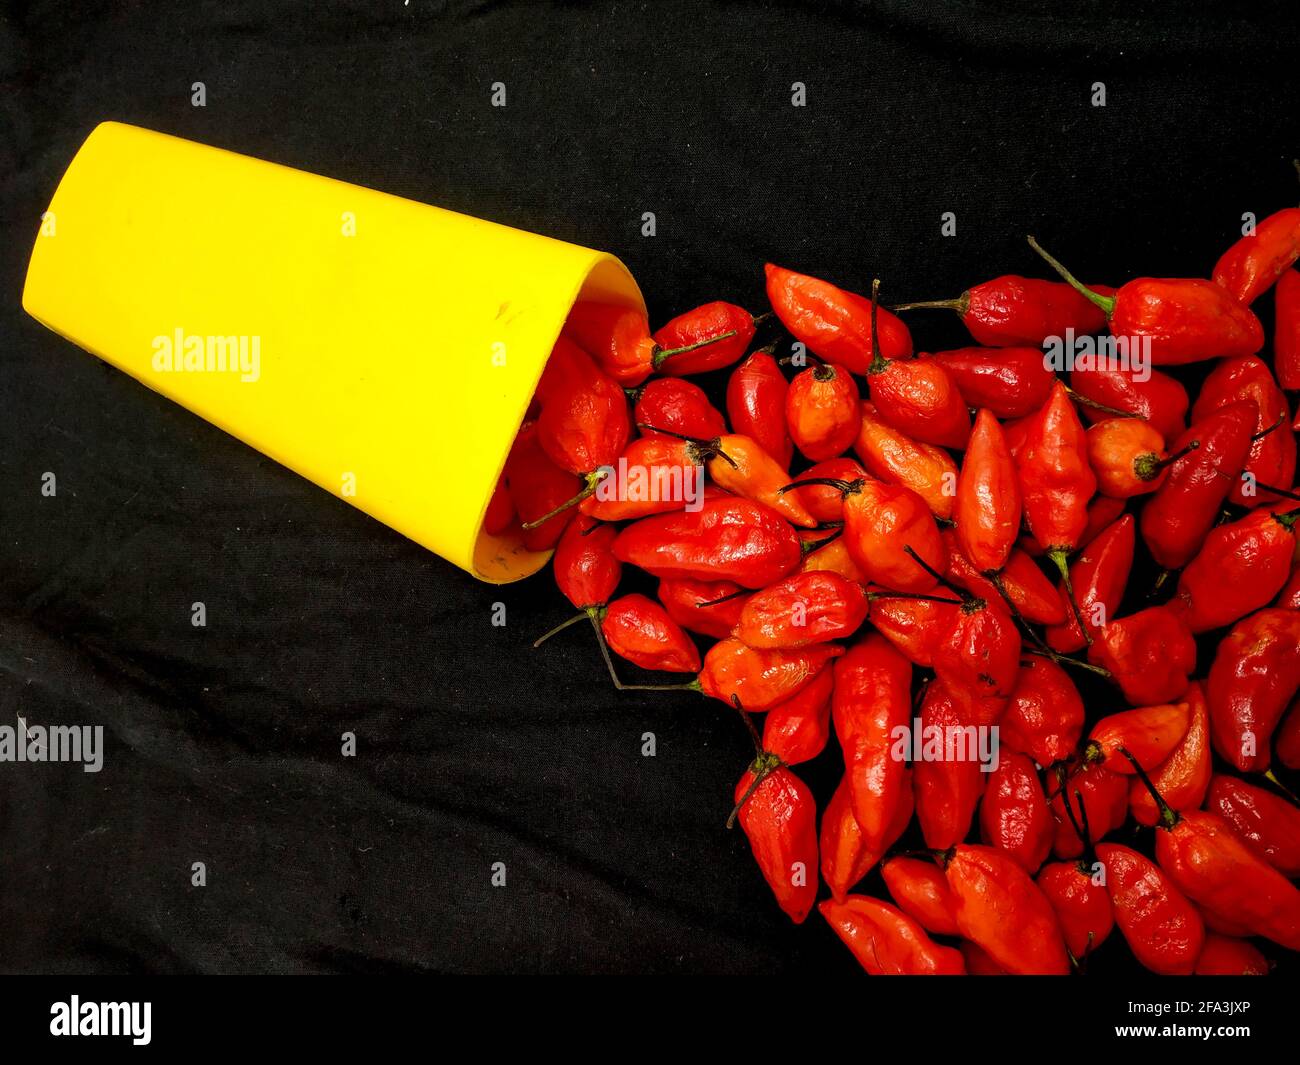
223	742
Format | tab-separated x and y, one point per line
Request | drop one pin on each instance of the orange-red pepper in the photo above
801	609
947	782
756	405
760	679
1255	674
1044	718
1151	655
1147	733
988	504
1226	956
896	458
1014	816
1009	311
846	854
886	941
797	729
1009	382
1266	822
822	411
921	891
707	338
537	488
1286	332
1162	928
1159	400
1099	577
779	816
1182	778
1128	456
679	406
1251	266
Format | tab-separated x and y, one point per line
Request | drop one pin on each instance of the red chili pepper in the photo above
761	679
1177	518
947	782
1255	674
826	503
584	565
1250	267
1029	590
1288	737
1099	577
1182	777
538	487
835	325
822	411
1272	456
1266	822
641	631
1289	596
1009	382
988	497
871	701
1162	928
1056	481
1242	566
1149	734
846	855
832	557
708	338
619	338
1160	400
1183	319
711	608
678	406
1014	816
1010	310
797	729
1081	903
1224	956
1128	456
886	941
978	659
1102	513
1044	718
1286	334
1098	798
500	511
896	458
978	962
1151	655
756	405
779	815
726	539
914	626
741	465
1001	909
921	891
801	609
655	475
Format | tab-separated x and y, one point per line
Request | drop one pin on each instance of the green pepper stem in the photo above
1061	557
1078	397
661	355
1168	815
1062	660
593	481
1106	303
693	685
961	305
764	765
559	628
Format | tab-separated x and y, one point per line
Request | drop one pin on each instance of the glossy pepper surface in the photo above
1254	677
1162	927
761	679
822	411
780	819
1251	266
895	458
1241	567
801	609
1183	777
1008	382
886	941
988	505
640	630
1011	310
756	405
1266	821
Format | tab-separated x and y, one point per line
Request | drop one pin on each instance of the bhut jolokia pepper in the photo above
711	608
1183	319
978	962
1178	516
916	396
1272	456
822	411
640	630
1255	674
707	338
797	729
1226	956
678	406
826	502
1056	481
835	325
801	609
998	907
538	488
1096	796
1044	718
988	505
1183	777
1289	596
1128	456
845	853
1020	580
1147	733
1286	332
1202	855
1009	382
619	338
1241	567
896	458
872	699
741	465
1161	926
830	557
978	658
1250	267
1077	892
760	679
584	565
728	538
1288	737
1014	816
1151	655
1099	577
947	782
1010	311
779	816
756	405
1267	822
1158	399
655	476
1102	513
914	626
921	891
886	941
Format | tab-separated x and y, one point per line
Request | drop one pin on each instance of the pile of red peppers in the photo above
868	541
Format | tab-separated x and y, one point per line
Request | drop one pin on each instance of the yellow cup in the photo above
384	349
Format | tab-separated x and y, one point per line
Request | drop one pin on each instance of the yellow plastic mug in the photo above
384	349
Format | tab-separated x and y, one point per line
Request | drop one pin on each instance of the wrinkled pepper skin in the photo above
780	819
1014	816
988	504
921	891
1056	481
978	660
1255	674
886	941
678	406
1264	821
880	521
1251	266
801	609
728	538
1288	737
584	423
915	627
1028	589
640	630
703	324
918	398
1099	576
1148	733
823	502
1162	927
797	729
693	605
1286	332
761	679
895	458
948	783
1225	956
1044	718
1126	454
872	699
1151	655
1009	382
1177	518
1105	801
537	486
1011	311
1183	777
584	565
999	908
741	465
756	394
846	856
822	411
1161	401
1082	906
1241	567
654	457
1186	319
